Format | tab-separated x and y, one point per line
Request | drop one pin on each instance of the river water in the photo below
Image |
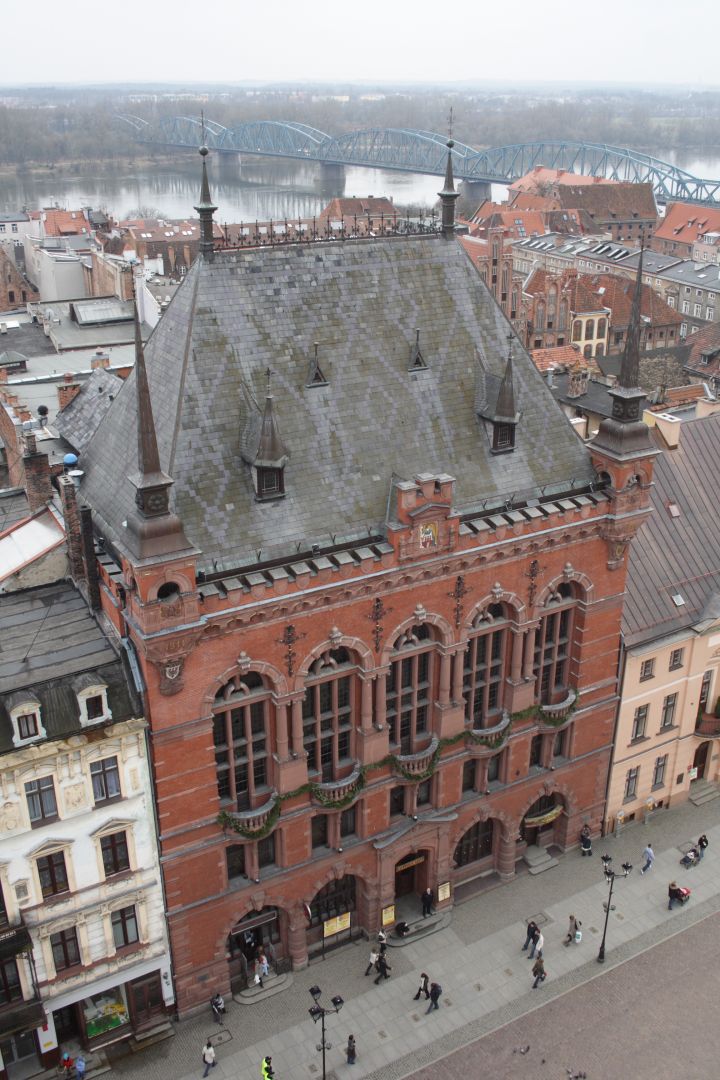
254	189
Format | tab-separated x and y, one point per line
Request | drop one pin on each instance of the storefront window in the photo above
105	1012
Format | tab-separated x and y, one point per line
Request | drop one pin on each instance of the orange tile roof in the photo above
541	174
686	223
679	395
349	207
65	223
705	341
560	356
592	292
530	200
516	224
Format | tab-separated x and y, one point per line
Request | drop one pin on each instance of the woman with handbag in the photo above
574	932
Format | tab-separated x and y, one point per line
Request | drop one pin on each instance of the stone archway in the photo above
265	928
543	823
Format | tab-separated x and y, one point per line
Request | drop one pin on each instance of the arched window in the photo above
409	688
589	329
484	668
241	737
587	352
477	843
562	319
577	330
553	644
540	313
601	328
599	350
336	898
328	714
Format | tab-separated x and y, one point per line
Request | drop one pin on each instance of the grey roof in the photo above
13	507
248	310
19	215
677	555
79	420
48	637
653	261
697	275
595	400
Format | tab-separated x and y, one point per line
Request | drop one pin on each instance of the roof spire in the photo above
148	457
271	451
448	195
206	207
505	408
629	375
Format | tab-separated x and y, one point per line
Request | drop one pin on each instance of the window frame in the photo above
123	918
475	844
406	701
56	872
554	651
647	669
100	771
67	943
677	659
639	723
669	707
45	785
10	989
329	722
113	843
659	772
632	776
242	731
487	674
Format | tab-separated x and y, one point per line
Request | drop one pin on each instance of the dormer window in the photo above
92	699
503	438
270	483
24	709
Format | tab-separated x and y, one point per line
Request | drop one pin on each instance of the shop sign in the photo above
388	915
411	862
544	819
692	774
444	891
335	926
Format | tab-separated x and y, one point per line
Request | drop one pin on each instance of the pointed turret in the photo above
505	408
205	208
153	529
272	456
448	197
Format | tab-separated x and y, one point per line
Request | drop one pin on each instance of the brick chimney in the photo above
73	531
3	375
67	390
37	474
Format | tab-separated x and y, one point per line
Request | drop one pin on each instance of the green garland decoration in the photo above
227	821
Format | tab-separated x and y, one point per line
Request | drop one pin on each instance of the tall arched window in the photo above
328	714
562	319
475	844
484	667
241	737
589	329
577	330
410	689
553	645
601	328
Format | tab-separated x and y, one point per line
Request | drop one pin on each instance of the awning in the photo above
23	1016
14	940
251	924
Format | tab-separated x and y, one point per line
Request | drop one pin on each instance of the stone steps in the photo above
702	792
538	860
421	928
273	984
157	1035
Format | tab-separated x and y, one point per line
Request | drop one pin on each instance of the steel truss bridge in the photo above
426	152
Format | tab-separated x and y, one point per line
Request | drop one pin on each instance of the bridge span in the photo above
406	150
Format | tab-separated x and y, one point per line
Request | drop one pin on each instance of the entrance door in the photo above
19	1053
700	760
406	875
146	1000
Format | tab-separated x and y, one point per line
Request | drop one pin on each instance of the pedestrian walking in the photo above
372	962
80	1067
382	937
532	929
701	845
208	1056
423	988
382	968
585	841
350	1050
435	992
574	932
538	970
267	1072
427	903
538	943
649	857
263	966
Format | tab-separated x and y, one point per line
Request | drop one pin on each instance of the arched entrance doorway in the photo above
700	760
255	931
542	823
332	913
411	874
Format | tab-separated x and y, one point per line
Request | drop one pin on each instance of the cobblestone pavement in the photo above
477	959
653	1018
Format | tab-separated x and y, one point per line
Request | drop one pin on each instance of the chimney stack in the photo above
100	360
73	535
37	474
67	390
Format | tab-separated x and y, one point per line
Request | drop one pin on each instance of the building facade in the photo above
380	631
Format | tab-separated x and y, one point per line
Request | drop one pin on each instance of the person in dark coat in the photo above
427	903
701	845
585	841
435	992
538	970
532	928
350	1050
383	968
423	988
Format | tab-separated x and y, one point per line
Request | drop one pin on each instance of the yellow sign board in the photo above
388	915
444	891
334	926
543	819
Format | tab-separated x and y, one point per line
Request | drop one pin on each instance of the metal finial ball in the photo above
450	144
203	151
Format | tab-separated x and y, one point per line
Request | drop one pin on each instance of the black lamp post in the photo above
319	1012
610	876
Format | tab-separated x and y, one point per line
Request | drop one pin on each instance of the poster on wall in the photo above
335	926
444	891
388	915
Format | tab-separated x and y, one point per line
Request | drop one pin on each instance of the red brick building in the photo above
374	591
15	289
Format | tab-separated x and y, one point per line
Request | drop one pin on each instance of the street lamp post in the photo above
610	876
319	1012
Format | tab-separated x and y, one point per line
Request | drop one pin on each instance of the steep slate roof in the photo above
47	638
80	418
245	311
677	555
705	350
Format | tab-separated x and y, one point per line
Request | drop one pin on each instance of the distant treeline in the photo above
57	129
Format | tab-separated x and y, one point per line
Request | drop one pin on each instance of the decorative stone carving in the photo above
9	817
75	796
335	637
243	662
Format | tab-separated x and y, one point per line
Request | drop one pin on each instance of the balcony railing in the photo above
418	763
337	791
708	726
488	739
556	715
14	940
250	821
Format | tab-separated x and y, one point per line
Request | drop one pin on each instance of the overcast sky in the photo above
625	41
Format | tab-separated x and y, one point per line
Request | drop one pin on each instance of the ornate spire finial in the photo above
268	382
148	457
448	195
629	374
206	207
505	408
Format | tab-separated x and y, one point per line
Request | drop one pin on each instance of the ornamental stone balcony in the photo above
410	765
555	716
708	726
251	821
482	742
337	791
